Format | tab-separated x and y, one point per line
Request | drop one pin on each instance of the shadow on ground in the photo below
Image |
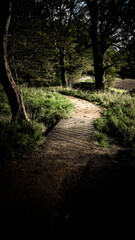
101	204
93	201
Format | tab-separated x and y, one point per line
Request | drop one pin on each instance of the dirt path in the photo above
71	141
68	184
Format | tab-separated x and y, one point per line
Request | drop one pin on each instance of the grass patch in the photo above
44	108
17	140
118	119
101	139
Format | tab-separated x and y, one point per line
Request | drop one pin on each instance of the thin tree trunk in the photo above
13	93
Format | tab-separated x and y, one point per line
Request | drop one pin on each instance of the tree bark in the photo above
98	48
98	57
62	68
13	93
98	67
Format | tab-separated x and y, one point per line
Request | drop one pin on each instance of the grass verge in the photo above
118	119
45	108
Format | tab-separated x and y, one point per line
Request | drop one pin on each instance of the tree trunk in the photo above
98	53
98	56
62	68
99	71
13	93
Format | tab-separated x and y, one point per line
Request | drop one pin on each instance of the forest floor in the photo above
69	186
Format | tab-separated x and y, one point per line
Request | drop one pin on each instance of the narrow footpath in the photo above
69	184
72	140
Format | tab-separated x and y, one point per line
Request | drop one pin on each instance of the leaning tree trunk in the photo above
13	93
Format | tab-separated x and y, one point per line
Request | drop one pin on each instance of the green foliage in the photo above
110	77
4	106
44	108
118	119
102	139
16	139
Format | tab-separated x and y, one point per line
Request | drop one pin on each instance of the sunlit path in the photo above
72	139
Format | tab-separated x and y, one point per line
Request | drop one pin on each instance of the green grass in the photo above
44	108
118	119
101	139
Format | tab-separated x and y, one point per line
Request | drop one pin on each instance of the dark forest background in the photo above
52	41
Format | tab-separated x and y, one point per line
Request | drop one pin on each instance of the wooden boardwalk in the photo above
72	139
65	184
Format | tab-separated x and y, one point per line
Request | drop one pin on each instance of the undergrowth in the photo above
44	108
118	119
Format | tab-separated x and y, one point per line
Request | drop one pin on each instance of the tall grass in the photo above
118	119
44	108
